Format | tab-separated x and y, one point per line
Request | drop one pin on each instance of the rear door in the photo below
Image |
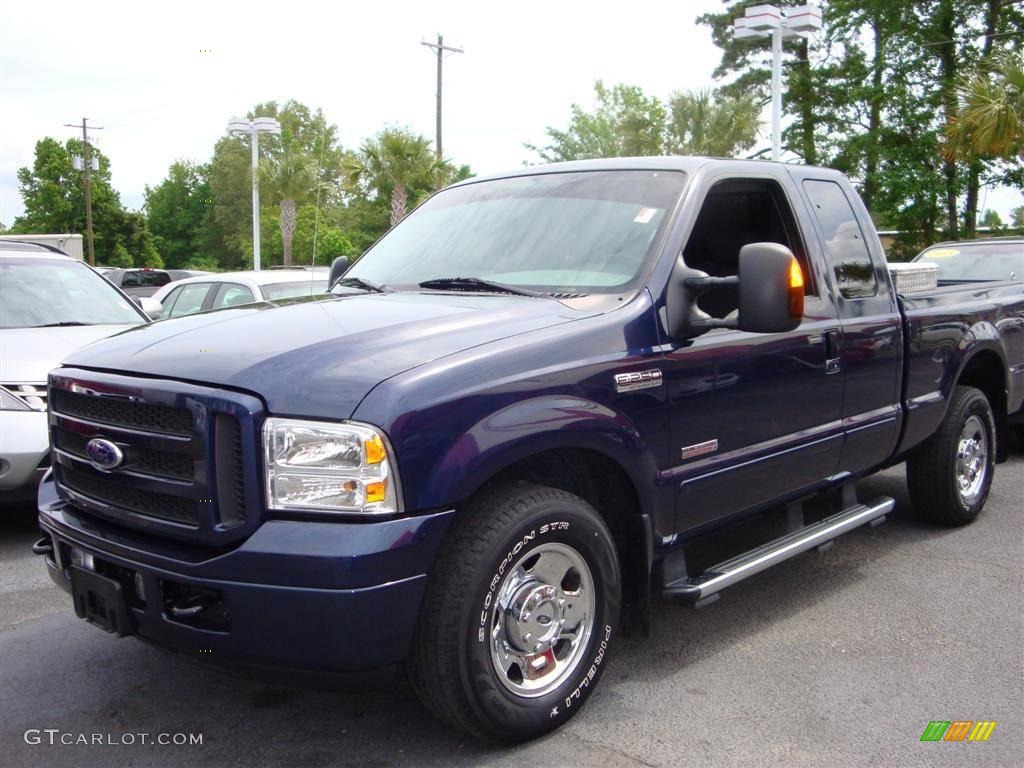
871	344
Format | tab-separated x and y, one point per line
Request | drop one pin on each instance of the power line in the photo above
440	47
87	169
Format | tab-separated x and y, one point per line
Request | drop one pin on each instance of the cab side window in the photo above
845	246
737	212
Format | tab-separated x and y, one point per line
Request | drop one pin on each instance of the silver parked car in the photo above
50	305
232	289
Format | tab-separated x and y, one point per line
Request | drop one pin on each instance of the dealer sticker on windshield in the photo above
940	253
645	215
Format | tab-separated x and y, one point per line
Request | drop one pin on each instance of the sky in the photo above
163	79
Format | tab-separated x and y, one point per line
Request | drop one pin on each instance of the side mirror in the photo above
771	293
338	269
771	289
151	307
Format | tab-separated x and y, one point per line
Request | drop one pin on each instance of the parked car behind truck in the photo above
538	400
50	305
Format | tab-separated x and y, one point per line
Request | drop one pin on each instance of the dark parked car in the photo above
536	402
139	282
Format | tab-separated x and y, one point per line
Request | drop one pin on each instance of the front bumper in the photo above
24	452
320	597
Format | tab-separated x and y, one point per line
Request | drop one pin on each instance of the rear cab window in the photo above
845	246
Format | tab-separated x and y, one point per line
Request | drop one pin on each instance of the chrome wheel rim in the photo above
542	620
972	459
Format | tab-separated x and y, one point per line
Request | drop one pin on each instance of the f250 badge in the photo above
629	382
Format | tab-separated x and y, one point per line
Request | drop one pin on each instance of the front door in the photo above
754	416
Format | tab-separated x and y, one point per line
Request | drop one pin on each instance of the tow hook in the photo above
43	547
192	606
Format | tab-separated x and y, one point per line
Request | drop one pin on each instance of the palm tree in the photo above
290	175
990	122
701	125
392	161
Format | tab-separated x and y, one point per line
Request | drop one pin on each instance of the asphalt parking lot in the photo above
839	658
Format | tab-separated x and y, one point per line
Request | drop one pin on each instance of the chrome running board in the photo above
698	589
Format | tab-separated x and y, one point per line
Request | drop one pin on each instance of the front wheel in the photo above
518	614
950	474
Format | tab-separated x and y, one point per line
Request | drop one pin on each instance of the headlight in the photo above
322	466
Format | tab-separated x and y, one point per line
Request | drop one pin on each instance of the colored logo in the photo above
958	730
103	454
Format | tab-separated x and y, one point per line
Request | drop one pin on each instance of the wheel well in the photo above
984	371
605	485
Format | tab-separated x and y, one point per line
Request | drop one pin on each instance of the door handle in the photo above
832	352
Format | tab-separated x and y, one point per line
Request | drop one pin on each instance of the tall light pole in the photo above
778	24
440	48
253	128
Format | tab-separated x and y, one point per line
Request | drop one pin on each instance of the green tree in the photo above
701	125
625	122
177	210
1017	218
991	219
872	95
991	115
390	163
54	198
288	176
228	230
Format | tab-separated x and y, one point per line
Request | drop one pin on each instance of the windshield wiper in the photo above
62	324
362	282
477	284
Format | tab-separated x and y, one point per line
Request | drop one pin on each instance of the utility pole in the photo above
440	47
87	169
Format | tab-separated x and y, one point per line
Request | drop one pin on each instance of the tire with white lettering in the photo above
518	614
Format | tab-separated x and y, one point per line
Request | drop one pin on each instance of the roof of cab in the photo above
686	163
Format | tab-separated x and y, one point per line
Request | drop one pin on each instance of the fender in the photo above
534	426
926	409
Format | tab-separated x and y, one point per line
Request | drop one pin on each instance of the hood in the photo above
319	358
28	354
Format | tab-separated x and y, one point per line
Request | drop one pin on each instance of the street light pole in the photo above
771	21
776	94
253	128
255	144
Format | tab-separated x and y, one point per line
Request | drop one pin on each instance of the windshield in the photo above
41	292
588	232
978	261
295	288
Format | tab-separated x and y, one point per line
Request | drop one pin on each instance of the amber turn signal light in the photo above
796	289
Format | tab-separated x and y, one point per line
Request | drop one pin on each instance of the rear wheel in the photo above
951	473
518	614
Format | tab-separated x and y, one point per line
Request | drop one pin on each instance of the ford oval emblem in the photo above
103	454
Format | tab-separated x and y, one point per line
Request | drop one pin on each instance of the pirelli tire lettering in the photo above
585	683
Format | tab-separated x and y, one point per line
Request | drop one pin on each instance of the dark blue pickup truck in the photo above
538	401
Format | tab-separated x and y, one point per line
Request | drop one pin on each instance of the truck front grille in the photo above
164	464
159	506
187	454
124	413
